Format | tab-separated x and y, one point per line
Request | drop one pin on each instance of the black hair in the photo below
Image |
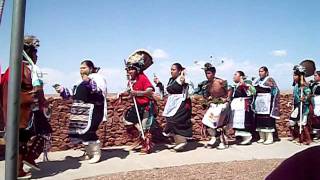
297	73
241	73
318	72
212	69
265	69
178	66
91	66
29	50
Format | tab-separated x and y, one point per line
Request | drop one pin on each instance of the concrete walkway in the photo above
63	165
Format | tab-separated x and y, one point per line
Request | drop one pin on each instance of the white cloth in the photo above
303	122
238	113
100	81
242	133
295	113
101	86
263	103
259	82
36	75
212	117
173	103
316	105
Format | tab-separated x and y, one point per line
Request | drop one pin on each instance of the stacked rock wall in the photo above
113	132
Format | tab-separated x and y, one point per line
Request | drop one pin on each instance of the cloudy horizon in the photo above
244	35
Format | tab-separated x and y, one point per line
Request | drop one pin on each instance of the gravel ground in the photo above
240	170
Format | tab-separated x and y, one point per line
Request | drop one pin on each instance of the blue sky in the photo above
246	34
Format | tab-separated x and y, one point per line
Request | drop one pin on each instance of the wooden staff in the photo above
301	103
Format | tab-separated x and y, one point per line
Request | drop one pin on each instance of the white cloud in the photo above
279	53
281	72
160	54
55	76
116	77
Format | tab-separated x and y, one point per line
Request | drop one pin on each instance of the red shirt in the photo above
141	84
5	77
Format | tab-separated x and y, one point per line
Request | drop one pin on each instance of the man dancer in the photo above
33	104
141	90
215	92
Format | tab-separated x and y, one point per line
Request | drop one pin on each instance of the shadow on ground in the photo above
191	145
113	153
51	168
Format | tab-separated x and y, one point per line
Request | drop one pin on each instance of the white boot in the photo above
246	140
222	144
94	152
269	138
85	155
212	141
170	146
262	137
180	142
180	147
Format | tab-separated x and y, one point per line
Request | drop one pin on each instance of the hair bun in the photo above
96	69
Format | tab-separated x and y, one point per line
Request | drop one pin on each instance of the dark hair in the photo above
318	72
300	75
29	50
241	73
91	66
299	80
297	73
178	66
209	67
265	69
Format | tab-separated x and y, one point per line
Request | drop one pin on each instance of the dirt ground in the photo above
240	170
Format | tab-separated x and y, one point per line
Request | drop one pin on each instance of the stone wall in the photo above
113	132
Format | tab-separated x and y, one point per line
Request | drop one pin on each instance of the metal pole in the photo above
13	114
1	9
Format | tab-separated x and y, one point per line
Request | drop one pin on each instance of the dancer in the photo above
87	111
266	106
301	93
315	106
241	107
217	99
143	113
33	109
178	108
